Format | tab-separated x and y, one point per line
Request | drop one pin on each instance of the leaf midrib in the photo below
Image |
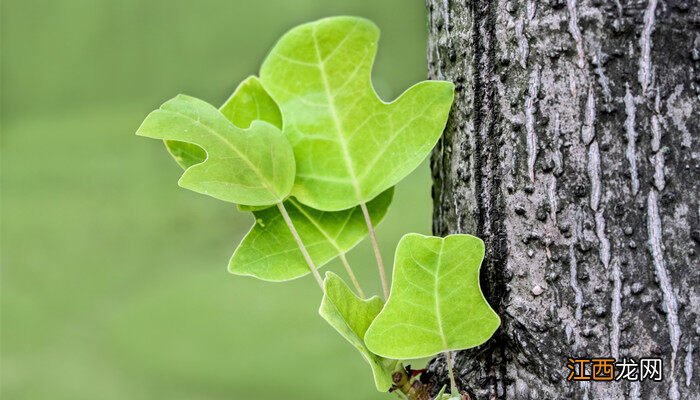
334	116
437	294
319	227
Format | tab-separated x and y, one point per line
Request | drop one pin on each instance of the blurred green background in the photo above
114	281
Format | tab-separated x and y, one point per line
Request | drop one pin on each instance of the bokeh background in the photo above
114	281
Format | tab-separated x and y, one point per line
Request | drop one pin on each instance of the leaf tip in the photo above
330	275
143	128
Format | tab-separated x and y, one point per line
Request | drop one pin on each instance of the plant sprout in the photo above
313	153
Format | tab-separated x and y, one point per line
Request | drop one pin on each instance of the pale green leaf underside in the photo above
249	102
349	145
351	316
252	166
269	251
436	303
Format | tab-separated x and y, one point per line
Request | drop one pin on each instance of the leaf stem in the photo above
453	383
377	254
307	257
353	278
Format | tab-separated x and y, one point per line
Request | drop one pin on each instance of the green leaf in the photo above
351	316
349	144
447	396
441	394
249	102
185	154
436	303
269	251
253	166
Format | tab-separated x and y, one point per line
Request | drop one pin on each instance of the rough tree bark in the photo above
572	150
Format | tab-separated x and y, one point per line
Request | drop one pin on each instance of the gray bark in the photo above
572	150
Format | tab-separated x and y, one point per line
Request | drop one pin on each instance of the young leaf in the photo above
436	303
252	166
269	251
351	316
349	145
447	396
249	102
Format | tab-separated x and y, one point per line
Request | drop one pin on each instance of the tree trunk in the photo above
572	150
